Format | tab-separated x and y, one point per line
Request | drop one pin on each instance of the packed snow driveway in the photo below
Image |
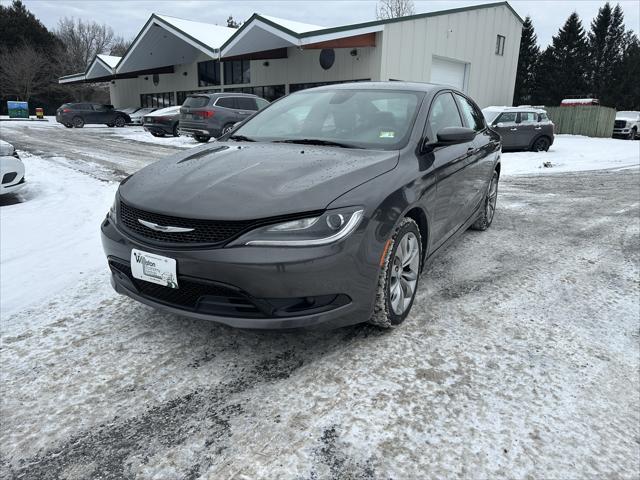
520	359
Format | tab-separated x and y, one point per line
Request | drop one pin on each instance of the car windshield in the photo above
376	119
627	115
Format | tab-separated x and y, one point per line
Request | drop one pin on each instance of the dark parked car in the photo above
80	114
210	115
162	122
321	209
521	128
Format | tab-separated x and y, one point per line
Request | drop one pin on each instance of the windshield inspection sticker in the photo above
387	134
154	268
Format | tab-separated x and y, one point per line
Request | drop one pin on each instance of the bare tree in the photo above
119	46
394	9
24	72
82	41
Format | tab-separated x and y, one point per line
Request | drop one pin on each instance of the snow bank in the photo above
574	153
50	240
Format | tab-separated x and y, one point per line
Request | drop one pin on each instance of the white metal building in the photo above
474	49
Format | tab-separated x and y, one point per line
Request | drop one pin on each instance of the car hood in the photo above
247	181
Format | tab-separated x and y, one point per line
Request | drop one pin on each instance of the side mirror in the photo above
499	124
454	135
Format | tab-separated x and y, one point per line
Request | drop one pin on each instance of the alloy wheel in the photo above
542	144
405	268
492	198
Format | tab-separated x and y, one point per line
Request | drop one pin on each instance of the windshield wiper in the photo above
241	138
317	141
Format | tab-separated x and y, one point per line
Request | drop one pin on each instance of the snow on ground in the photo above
130	132
574	153
51	238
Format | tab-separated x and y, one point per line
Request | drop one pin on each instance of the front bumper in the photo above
264	275
621	131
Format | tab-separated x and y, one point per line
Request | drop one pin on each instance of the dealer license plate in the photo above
154	268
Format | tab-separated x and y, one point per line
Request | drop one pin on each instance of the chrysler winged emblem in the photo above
164	228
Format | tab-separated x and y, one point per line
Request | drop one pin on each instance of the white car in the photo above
136	117
11	169
627	124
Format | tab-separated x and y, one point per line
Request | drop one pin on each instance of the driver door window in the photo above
444	113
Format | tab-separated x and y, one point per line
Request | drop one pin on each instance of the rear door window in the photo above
226	102
472	117
246	103
196	101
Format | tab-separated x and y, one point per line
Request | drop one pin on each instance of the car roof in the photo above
222	94
391	85
520	108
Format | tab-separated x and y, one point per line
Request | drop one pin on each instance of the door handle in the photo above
513	129
538	128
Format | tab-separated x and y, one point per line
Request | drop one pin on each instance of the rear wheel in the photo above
202	138
486	217
398	279
120	122
78	122
227	128
541	144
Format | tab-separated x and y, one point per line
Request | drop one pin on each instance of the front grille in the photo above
619	124
205	231
192	295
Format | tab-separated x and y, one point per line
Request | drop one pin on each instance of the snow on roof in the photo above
211	35
297	27
110	60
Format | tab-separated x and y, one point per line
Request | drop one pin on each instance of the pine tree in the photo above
563	68
599	60
626	73
527	64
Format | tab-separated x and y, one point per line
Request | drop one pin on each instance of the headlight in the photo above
113	210
332	226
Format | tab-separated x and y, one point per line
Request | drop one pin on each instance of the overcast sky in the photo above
126	17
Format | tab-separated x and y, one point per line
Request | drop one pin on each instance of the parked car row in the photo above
201	116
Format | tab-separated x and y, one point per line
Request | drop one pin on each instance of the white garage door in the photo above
448	72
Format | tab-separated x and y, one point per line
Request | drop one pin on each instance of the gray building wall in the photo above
404	51
470	36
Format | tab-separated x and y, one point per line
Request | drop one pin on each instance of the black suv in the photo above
79	114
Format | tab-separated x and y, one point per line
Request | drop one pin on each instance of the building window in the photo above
157	100
208	73
500	45
268	92
237	72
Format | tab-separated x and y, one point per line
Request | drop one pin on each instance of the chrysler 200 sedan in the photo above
323	208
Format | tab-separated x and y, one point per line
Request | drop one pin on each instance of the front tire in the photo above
120	122
176	130
632	134
78	122
398	281
201	138
489	210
